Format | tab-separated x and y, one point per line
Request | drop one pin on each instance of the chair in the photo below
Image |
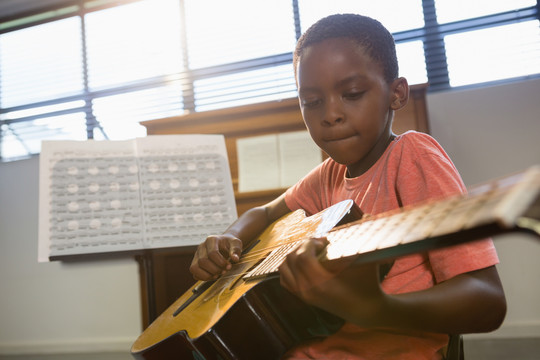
454	349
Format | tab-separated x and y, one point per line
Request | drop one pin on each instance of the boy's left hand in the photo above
305	276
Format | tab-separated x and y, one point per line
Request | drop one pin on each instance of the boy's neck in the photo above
359	168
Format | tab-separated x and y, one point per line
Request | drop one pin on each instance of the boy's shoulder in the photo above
418	142
413	148
415	136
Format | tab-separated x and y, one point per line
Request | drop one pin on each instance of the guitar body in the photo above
236	319
264	323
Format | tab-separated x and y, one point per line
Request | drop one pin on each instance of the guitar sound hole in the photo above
196	293
244	252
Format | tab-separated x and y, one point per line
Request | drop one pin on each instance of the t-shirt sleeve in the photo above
426	172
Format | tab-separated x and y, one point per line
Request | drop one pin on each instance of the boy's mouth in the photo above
338	137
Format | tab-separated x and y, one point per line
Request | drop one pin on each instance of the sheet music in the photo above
152	192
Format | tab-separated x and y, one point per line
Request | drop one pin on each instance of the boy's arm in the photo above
217	252
470	302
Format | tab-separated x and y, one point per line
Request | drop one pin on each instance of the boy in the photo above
348	86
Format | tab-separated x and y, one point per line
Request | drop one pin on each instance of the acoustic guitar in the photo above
246	314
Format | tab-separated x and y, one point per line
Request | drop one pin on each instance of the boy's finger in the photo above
235	250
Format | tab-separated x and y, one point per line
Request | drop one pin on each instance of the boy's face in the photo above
346	102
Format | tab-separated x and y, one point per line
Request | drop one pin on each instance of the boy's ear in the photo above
400	93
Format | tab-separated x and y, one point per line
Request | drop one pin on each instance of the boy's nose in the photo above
334	112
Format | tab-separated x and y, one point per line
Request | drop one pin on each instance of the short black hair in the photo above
370	34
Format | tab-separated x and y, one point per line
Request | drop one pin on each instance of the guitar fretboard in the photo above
486	210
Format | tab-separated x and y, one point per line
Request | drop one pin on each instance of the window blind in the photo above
78	69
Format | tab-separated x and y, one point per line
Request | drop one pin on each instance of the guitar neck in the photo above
504	205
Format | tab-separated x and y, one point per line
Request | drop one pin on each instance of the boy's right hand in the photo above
214	256
218	252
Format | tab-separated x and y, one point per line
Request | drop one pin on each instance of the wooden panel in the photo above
166	272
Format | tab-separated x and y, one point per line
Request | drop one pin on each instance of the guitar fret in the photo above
432	216
519	198
340	239
287	249
274	260
362	234
382	232
399	232
415	218
371	234
370	242
458	216
485	214
394	223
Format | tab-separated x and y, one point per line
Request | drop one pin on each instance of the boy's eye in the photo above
310	102
353	95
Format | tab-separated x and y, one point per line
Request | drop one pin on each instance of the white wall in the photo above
92	306
488	133
57	307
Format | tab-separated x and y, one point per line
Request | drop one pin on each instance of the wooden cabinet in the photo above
164	273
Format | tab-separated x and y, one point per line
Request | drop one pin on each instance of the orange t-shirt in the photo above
414	168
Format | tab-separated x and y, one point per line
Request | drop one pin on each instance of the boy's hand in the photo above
215	255
301	270
303	274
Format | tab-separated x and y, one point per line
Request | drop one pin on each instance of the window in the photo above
457	10
253	39
474	58
396	16
484	40
97	68
26	78
134	57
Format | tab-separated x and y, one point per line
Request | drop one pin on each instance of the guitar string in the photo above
256	253
246	259
277	259
494	189
338	230
424	209
372	218
269	269
366	218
